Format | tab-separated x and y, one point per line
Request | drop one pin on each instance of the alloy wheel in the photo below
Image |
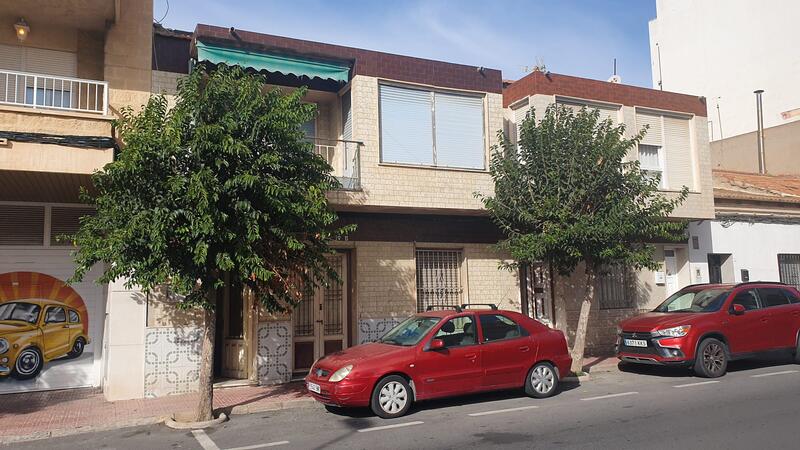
713	358
393	397
27	362
542	379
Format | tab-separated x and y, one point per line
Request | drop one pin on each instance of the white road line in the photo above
204	440
389	427
773	373
500	411
601	397
702	383
252	447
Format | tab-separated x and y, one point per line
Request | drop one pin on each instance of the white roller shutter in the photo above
653	135
50	62
459	131
520	113
11	57
606	111
678	152
406	125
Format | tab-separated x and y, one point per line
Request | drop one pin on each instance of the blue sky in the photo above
575	37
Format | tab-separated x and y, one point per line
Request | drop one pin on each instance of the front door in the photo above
320	322
714	268
671	269
233	320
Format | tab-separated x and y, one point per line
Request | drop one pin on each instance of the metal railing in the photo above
52	92
344	157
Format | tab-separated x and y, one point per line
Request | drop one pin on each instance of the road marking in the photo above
389	427
773	373
500	411
252	447
696	384
204	440
601	397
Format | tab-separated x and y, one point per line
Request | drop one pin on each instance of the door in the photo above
320	322
505	351
234	348
714	268
746	332
671	271
456	368
55	332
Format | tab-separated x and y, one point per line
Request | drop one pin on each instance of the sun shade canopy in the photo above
273	63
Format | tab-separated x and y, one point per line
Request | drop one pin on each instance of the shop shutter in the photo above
65	221
677	145
459	131
406	125
21	225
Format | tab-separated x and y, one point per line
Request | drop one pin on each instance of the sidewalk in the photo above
599	364
39	415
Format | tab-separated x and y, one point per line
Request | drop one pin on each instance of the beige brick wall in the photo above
486	282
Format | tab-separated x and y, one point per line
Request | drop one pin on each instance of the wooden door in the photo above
234	351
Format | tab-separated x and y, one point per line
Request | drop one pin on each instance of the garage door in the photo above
52	331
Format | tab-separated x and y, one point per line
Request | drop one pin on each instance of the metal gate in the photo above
789	268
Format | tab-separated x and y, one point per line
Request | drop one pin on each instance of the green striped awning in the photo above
272	63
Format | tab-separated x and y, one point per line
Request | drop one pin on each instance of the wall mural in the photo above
44	331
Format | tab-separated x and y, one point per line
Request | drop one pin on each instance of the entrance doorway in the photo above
535	293
320	322
231	352
671	269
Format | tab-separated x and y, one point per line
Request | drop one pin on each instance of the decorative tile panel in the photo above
275	352
370	330
171	361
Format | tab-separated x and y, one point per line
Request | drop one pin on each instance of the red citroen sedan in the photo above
443	353
704	326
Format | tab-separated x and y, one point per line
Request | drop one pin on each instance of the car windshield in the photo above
708	300
21	311
410	331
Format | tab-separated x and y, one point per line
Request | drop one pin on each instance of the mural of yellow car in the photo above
35	331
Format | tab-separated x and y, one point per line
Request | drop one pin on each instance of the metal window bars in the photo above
344	157
438	278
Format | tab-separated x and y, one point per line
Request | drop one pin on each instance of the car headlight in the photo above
340	374
680	331
3	345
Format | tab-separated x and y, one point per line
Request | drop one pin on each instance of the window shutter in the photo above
653	135
520	113
21	225
459	131
66	221
606	111
347	117
678	152
406	125
50	62
11	57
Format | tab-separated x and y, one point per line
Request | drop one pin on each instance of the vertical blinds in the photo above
431	128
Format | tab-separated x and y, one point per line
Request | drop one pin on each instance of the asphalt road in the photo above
756	405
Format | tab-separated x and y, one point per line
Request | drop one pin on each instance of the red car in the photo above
705	326
443	353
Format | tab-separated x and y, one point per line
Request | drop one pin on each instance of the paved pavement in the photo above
755	406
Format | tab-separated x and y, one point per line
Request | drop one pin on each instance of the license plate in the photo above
635	343
313	387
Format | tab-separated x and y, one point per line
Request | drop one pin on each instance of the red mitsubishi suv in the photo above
704	326
442	353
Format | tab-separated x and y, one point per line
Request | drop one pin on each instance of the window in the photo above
438	278
458	332
772	297
707	300
747	299
20	311
497	327
650	161
410	331
792	296
789	268
74	317
606	111
55	315
309	128
431	128
65	221
668	137
612	287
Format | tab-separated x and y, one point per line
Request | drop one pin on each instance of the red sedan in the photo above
443	353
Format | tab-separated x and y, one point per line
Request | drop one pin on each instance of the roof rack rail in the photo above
431	307
780	283
491	306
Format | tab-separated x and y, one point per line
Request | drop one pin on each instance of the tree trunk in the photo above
205	405
583	320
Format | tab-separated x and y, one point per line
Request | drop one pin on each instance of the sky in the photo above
573	37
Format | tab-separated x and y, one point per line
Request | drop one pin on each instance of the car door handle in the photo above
796	313
65	326
765	319
524	348
471	355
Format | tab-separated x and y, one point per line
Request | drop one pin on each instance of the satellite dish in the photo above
615	79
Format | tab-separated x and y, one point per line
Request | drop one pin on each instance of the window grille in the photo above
789	268
333	297
438	278
613	287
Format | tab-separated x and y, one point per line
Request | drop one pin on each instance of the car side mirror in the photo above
436	344
737	309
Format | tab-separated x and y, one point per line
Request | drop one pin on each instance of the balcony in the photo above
37	91
344	157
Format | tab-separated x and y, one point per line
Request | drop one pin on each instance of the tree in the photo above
223	183
566	194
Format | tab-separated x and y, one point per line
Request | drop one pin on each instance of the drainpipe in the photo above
762	164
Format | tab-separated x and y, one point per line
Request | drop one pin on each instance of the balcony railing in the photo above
344	157
51	92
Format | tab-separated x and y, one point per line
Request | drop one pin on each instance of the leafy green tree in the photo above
566	194
223	183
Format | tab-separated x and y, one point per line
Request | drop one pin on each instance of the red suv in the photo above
443	353
705	326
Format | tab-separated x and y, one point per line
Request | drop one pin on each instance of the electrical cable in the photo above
99	142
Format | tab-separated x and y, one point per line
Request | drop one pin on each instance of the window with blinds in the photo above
64	222
431	128
612	287
38	61
607	112
21	225
650	161
438	278
672	135
520	113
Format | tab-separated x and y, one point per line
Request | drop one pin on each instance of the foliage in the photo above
224	182
567	194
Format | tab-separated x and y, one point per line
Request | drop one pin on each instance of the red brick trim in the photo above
365	62
569	86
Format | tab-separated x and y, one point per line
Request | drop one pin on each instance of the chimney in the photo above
762	164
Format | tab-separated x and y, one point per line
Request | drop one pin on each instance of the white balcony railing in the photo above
344	157
51	92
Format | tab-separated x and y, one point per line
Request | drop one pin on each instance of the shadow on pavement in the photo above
759	362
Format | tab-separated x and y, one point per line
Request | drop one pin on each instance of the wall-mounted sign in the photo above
661	277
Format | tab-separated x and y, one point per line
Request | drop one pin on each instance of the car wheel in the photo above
542	381
712	359
797	350
29	363
391	397
77	348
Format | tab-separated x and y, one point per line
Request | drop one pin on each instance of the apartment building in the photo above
675	146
